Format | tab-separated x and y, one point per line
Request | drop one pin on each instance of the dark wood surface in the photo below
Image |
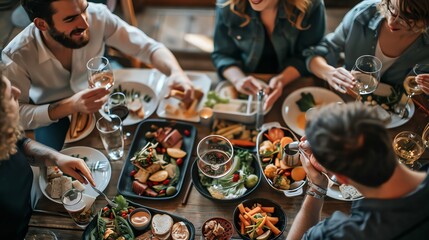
198	208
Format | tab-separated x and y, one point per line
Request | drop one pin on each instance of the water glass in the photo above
112	136
100	73
80	206
215	156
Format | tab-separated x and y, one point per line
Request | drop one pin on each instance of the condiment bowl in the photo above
140	218
226	225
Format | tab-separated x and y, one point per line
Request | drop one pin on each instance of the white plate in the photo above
93	155
149	107
334	192
85	133
396	121
290	110
200	81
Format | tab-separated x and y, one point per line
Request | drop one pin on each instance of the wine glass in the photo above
79	206
408	146
117	105
425	136
410	85
215	156
100	72
366	72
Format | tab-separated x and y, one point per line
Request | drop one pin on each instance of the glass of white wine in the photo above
410	85
409	147
100	73
215	156
425	136
366	72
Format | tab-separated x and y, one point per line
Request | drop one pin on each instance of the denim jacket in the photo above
243	46
358	35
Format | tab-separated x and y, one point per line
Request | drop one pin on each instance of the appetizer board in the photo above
151	188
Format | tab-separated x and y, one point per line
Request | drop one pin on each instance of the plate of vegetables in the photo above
238	184
112	223
299	101
157	160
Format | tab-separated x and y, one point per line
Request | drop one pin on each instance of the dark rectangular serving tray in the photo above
139	141
93	224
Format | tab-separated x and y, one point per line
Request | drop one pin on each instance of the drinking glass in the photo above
117	105
410	85
100	73
425	136
408	147
79	206
215	156
112	136
366	72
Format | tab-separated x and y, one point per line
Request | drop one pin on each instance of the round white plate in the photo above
149	107
85	133
93	155
290	109
333	191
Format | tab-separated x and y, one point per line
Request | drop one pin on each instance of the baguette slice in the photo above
161	225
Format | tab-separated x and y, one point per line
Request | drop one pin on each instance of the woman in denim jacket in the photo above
395	31
265	36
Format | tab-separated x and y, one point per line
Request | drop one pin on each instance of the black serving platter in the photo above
203	190
139	141
93	224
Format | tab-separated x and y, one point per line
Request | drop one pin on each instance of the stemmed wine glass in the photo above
100	73
410	85
215	156
366	72
117	105
409	147
425	136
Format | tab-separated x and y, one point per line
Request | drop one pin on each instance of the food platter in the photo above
88	233
200	81
396	120
291	111
139	90
334	192
101	178
125	181
88	129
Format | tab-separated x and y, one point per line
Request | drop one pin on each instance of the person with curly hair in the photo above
395	31
265	36
17	153
351	142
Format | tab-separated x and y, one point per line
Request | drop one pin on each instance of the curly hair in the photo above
414	12
239	7
10	130
351	140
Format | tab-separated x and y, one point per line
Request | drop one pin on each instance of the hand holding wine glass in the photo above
410	85
366	72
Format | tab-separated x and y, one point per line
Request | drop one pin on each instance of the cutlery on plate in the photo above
110	202
101	166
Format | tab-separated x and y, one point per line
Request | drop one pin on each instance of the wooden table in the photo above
198	208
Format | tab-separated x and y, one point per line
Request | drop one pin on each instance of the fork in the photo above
101	166
110	202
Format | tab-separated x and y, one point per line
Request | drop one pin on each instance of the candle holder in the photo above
206	116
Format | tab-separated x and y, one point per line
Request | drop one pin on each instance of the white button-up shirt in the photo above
33	68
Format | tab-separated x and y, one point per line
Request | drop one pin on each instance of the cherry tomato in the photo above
187	132
162	191
235	177
133	172
158	149
155	183
166	182
287	173
105	209
163	150
179	161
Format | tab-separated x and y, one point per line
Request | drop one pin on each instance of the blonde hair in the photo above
10	130
239	7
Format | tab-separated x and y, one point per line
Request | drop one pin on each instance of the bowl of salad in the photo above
236	185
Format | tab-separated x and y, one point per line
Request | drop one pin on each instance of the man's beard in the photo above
67	41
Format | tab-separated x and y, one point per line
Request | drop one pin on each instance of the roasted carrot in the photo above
255	210
262	223
243	220
241	208
242	227
273	220
268	209
247	209
242	143
273	228
259	231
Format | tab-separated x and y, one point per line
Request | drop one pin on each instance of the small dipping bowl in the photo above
140	218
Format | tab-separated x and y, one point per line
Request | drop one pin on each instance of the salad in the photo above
235	183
